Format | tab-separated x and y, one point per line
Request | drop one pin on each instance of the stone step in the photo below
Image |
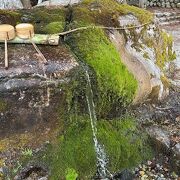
169	18
169	23
166	14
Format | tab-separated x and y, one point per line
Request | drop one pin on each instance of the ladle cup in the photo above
26	31
7	32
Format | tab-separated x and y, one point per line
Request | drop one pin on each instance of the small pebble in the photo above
141	173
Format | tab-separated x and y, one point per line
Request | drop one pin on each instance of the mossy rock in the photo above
9	17
74	153
160	43
54	27
107	12
163	49
116	86
44	20
125	145
74	150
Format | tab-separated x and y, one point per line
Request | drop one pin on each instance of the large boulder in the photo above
144	46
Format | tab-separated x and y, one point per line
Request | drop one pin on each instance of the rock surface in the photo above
59	2
144	58
11	4
169	20
29	88
162	122
134	66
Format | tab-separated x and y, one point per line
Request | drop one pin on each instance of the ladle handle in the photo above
39	52
6	55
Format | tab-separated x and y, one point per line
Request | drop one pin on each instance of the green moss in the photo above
71	174
74	150
115	83
116	86
145	55
160	43
9	17
54	27
124	144
45	19
163	49
74	154
115	9
3	105
10	13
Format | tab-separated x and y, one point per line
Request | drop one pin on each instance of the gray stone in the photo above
128	20
30	90
59	2
160	136
11	4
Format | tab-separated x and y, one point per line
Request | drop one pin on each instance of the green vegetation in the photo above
71	174
17	167
54	27
9	17
116	86
124	144
74	155
163	49
165	82
162	46
27	152
110	10
115	83
160	43
74	150
47	20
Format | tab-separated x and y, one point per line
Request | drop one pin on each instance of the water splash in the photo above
100	152
39	1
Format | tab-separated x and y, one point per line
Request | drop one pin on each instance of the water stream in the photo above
99	149
40	1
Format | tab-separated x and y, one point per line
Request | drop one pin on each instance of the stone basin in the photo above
30	91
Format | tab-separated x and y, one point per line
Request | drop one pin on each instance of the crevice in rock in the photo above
68	19
34	2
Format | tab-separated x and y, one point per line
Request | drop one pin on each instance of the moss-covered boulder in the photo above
116	85
59	100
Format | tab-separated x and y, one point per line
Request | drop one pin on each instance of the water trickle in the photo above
40	1
100	152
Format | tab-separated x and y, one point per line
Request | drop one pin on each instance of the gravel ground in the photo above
156	169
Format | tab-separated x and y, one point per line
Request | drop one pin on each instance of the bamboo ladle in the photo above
7	32
26	31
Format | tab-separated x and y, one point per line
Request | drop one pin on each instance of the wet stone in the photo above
29	90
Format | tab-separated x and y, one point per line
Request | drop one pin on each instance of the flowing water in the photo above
40	1
100	152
